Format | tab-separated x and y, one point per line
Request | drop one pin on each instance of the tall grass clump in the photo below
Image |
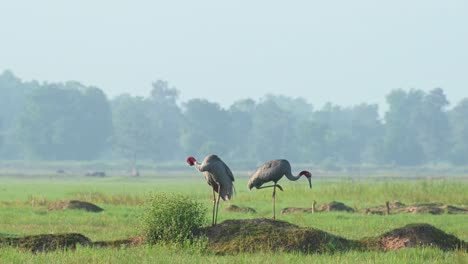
171	218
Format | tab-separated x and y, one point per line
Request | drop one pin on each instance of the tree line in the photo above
71	121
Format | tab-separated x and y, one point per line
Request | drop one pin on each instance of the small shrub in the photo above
172	218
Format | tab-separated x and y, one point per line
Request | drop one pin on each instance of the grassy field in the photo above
23	211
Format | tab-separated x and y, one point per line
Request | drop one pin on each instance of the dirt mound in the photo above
237	209
420	208
48	242
254	235
74	204
261	235
328	207
414	235
295	210
335	206
382	210
129	242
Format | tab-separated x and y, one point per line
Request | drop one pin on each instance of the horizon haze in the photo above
344	53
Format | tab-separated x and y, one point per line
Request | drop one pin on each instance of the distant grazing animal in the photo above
273	171
218	176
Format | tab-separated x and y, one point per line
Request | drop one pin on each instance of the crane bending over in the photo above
218	176
273	171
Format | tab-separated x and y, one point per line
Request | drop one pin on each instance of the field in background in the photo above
24	200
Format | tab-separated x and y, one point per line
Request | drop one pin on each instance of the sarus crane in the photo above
218	176
273	171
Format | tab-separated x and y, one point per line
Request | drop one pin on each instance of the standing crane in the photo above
273	171
218	176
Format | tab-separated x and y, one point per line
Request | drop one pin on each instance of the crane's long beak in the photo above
310	182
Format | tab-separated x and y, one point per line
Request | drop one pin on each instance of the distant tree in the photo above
312	141
1	135
206	127
273	132
417	127
459	133
433	126
166	121
132	136
344	134
366	131
401	145
298	107
64	122
12	99
239	137
96	119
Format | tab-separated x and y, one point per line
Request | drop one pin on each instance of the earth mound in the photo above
74	204
414	235
131	242
50	242
237	209
254	235
295	210
420	208
382	210
328	207
261	235
336	206
47	242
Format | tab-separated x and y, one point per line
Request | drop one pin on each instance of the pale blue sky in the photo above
345	52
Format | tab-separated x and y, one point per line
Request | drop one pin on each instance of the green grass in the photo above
23	211
163	254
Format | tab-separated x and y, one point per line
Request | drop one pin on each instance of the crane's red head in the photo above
191	161
308	175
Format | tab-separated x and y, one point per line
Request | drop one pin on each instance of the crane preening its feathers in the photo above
273	171
218	176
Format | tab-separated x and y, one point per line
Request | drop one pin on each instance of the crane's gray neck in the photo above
292	177
198	166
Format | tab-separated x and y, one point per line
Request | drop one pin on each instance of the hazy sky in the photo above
345	52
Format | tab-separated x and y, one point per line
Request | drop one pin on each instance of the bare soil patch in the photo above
237	209
74	204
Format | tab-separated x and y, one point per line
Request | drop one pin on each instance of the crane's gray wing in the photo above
228	172
219	164
268	171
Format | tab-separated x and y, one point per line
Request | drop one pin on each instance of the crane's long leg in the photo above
217	204
214	206
274	202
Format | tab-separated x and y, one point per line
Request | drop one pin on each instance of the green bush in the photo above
172	218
